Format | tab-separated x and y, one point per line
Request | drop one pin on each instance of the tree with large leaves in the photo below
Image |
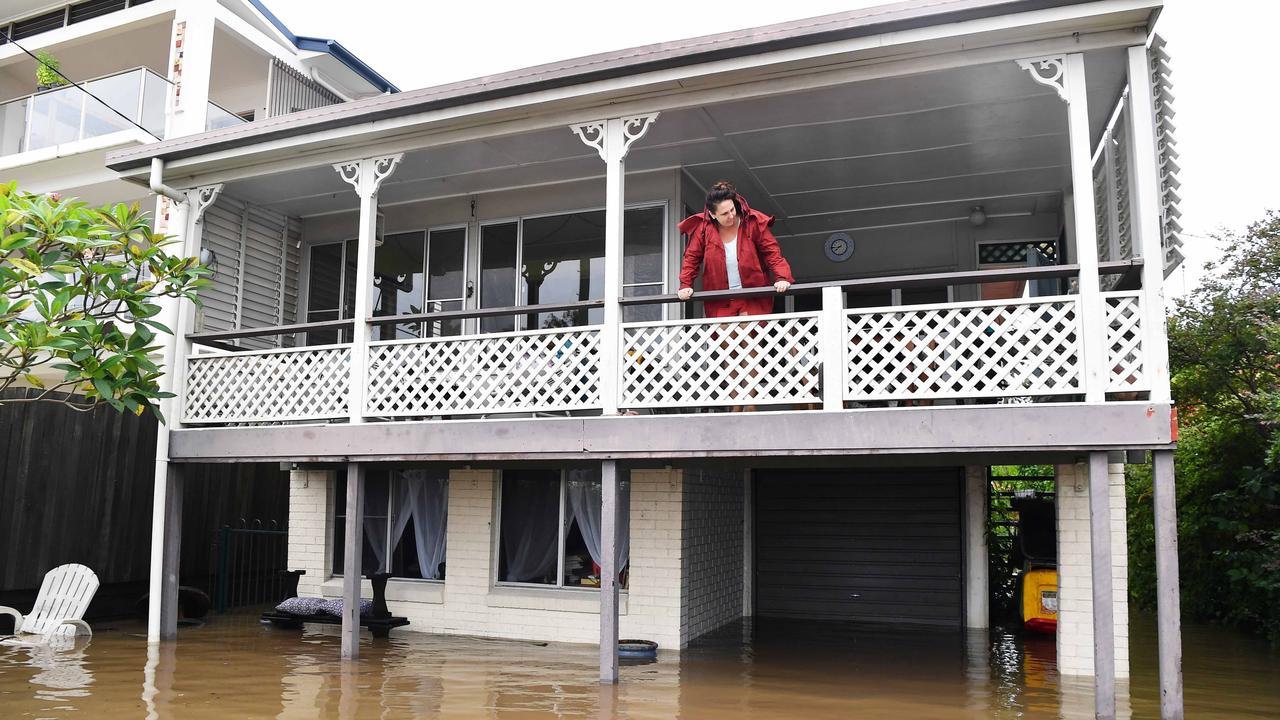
1224	355
80	289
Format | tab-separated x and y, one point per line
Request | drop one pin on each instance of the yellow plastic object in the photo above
1040	600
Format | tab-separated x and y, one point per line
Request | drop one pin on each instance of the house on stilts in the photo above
489	389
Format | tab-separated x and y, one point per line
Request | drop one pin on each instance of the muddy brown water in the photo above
232	667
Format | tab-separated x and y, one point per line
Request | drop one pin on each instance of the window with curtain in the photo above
549	528
405	522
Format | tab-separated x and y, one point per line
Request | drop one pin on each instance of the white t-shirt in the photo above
731	263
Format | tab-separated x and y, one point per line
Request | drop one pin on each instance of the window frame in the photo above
426	231
521	291
561	535
333	518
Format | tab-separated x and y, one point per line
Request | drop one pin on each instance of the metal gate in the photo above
248	562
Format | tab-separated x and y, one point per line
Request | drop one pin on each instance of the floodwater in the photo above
231	667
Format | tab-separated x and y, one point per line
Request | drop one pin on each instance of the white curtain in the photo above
584	491
530	514
428	497
416	495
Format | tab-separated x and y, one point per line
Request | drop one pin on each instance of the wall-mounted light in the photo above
978	216
209	259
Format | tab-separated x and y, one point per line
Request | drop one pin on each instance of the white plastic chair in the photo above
64	597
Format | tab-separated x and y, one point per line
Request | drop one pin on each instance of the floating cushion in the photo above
301	605
334	607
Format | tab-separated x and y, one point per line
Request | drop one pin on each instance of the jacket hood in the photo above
690	224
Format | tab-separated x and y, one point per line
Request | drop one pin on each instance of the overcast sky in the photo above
1223	58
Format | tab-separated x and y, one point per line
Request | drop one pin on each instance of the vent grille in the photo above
1166	154
94	8
1015	253
38	24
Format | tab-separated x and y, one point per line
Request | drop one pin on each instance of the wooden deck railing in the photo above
1002	350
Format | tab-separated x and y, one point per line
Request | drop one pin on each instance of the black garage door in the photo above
859	546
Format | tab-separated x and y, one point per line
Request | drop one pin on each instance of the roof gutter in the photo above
346	57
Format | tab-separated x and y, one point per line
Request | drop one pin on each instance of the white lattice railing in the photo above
309	383
1125	357
1006	348
769	359
534	371
992	349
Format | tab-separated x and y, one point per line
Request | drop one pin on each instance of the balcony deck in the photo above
949	377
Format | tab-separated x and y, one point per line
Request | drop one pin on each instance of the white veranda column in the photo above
170	311
1065	74
353	550
366	177
1145	213
612	138
977	590
609	487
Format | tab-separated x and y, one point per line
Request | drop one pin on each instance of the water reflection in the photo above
60	670
233	667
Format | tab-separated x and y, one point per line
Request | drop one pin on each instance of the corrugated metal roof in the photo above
739	43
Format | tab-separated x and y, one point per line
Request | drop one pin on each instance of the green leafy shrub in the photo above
80	289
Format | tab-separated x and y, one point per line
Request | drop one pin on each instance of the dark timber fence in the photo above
77	487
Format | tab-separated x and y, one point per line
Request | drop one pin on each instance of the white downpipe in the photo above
157	183
169	315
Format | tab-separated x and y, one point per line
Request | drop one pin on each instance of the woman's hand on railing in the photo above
781	286
686	293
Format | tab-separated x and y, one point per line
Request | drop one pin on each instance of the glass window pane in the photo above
322	337
642	313
582	543
349	280
397	281
325	281
498	273
419	511
564	262
529	536
642	245
443	328
447	259
375	522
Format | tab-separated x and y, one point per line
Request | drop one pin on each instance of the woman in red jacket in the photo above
734	246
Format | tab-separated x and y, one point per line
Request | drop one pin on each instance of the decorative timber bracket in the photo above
1048	70
201	198
594	133
366	175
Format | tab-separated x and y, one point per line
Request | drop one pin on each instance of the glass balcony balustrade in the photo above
113	103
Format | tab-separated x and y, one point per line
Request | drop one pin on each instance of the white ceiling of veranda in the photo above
897	151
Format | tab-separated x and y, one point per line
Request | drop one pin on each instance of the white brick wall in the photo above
309	536
467	603
712	558
1075	589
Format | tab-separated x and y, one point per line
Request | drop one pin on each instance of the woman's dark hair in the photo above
720	191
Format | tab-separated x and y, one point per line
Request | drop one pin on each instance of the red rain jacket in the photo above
757	248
